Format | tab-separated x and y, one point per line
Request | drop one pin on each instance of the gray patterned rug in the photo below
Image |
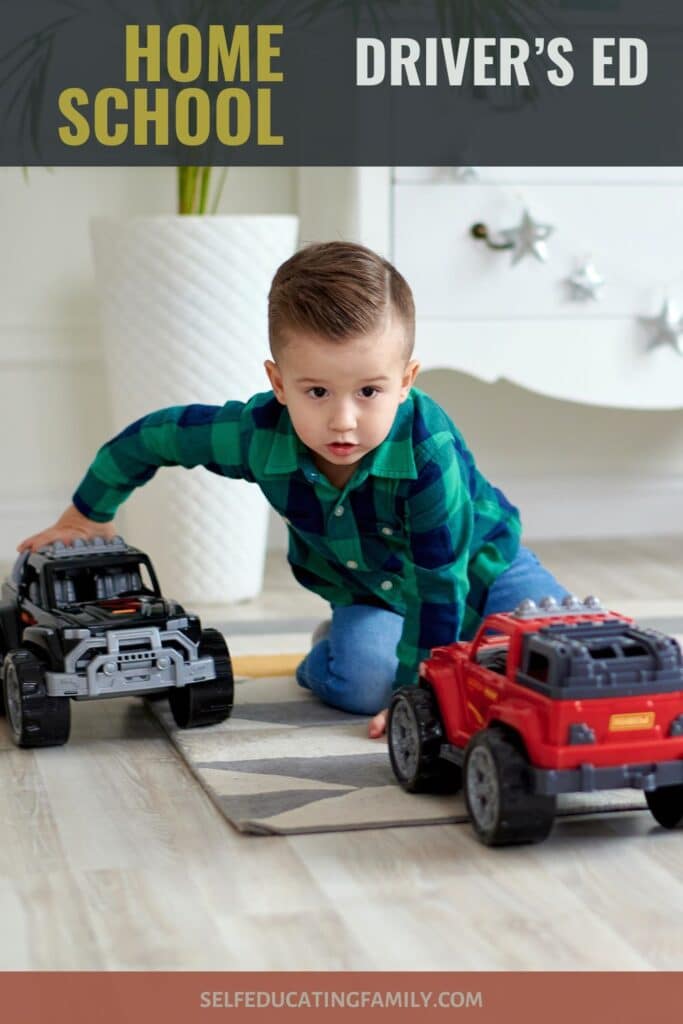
284	763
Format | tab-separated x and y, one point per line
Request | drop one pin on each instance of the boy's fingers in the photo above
27	545
30	544
39	540
67	534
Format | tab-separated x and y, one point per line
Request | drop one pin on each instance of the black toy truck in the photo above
88	620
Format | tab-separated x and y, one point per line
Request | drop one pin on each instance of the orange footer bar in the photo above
186	998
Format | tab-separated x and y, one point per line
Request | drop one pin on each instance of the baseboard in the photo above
583	507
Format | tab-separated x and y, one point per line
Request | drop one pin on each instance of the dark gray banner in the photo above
327	82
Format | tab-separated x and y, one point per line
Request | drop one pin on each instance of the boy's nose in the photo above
343	417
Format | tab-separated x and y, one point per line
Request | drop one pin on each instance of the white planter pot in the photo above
183	320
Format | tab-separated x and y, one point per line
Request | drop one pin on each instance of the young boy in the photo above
389	518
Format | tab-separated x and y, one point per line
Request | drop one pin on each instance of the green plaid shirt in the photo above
416	529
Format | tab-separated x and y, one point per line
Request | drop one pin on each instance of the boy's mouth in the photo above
339	448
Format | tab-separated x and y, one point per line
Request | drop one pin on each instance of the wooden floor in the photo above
112	856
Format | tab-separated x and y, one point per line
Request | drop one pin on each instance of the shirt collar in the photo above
393	458
286	450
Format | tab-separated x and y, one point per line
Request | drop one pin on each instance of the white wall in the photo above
573	470
53	413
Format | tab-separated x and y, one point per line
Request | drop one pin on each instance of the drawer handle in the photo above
480	231
527	238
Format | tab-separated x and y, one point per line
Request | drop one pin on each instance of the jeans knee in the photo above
527	577
354	667
360	696
362	684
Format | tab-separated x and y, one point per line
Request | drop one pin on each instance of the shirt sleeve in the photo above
440	523
185	435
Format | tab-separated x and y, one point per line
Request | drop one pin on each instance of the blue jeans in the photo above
354	666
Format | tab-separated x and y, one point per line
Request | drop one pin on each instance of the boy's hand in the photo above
378	725
69	527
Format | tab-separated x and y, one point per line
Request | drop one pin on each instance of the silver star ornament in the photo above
666	327
464	174
455	175
585	283
528	238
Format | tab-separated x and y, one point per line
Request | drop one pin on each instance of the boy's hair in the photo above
337	290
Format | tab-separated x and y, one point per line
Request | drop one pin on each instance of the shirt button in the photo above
351	564
386	585
387	531
339	510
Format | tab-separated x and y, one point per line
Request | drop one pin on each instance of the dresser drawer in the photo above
478	313
632	233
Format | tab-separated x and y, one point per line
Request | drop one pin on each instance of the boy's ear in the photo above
409	374
275	378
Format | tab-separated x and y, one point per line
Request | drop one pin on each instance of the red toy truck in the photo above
547	699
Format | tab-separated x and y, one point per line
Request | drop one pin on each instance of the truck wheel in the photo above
210	702
35	719
415	735
498	795
666	804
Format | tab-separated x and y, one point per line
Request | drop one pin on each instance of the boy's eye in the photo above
369	391
317	392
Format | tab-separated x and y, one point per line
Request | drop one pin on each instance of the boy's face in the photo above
342	397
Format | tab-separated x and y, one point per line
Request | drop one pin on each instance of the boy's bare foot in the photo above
378	725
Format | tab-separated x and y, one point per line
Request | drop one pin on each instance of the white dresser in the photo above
479	314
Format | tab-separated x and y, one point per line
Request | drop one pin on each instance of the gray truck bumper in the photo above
129	661
588	777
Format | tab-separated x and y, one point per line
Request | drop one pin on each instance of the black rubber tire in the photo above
497	788
666	805
211	702
34	718
415	734
154	695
